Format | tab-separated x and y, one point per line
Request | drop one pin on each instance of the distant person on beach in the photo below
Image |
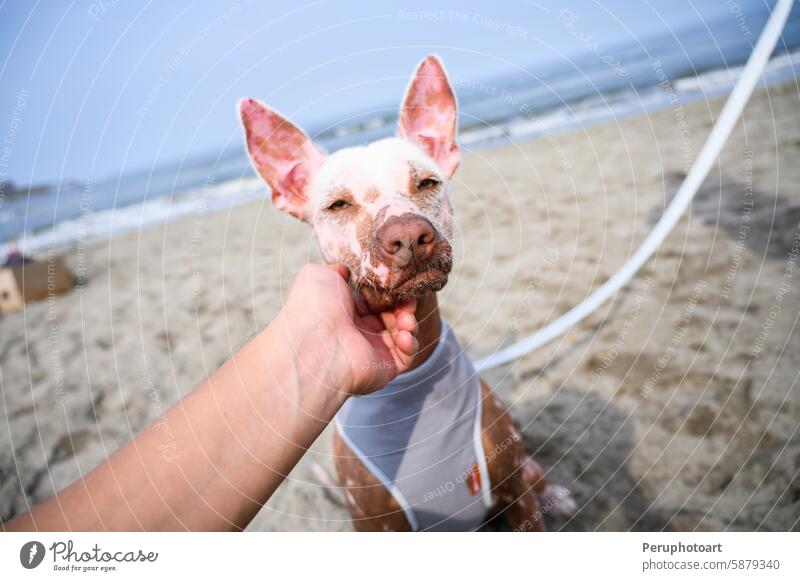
214	458
15	257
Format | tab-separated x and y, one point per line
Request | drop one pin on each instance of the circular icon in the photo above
31	554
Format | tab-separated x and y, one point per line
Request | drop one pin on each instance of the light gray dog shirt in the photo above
421	438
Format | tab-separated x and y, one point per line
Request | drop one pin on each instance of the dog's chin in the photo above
377	299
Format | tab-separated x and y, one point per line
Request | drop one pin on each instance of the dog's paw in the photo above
557	500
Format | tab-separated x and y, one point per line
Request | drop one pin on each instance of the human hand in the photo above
362	353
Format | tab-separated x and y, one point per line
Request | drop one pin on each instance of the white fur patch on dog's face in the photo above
349	196
387	178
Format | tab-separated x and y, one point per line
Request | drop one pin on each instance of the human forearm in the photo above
218	454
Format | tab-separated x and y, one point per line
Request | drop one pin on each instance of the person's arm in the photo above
217	455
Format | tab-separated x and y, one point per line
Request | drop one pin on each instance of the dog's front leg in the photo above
516	480
372	507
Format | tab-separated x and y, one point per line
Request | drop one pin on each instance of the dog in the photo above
435	449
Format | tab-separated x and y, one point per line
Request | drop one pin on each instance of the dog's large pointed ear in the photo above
429	114
282	155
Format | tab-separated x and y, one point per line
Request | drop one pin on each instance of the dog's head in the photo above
382	209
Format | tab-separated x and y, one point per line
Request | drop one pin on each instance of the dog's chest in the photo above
420	436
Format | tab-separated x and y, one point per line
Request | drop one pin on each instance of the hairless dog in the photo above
435	449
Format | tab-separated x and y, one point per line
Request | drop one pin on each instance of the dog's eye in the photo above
338	205
427	184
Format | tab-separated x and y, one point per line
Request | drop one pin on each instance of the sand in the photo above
674	407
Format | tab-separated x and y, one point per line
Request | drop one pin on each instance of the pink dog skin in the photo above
428	117
283	155
349	196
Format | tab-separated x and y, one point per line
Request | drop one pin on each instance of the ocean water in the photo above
649	74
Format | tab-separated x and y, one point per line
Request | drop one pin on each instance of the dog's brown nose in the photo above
405	238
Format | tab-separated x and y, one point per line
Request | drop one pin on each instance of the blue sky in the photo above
94	88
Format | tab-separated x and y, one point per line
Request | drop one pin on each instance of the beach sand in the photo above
676	406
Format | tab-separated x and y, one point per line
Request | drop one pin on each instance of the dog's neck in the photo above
430	327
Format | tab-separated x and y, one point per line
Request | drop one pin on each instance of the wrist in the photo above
304	357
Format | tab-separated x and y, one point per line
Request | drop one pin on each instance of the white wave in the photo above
111	222
600	108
